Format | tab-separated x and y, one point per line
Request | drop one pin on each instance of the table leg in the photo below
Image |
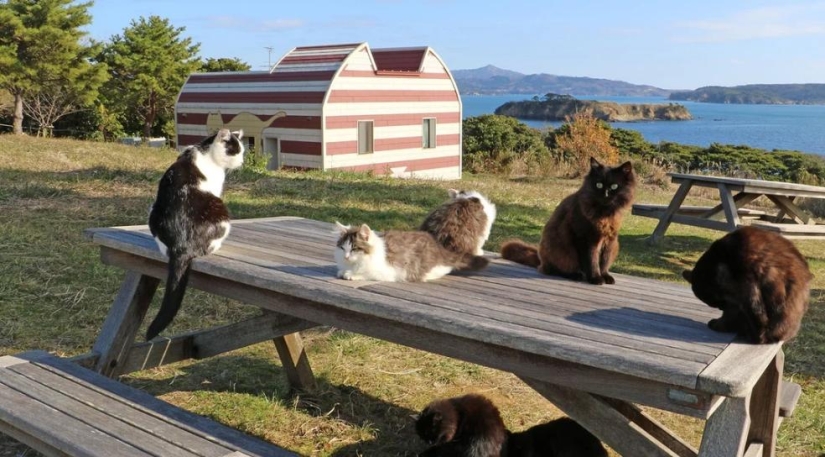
671	210
787	206
726	431
729	206
123	321
765	406
295	361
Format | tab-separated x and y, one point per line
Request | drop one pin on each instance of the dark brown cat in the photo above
466	426
558	438
463	223
395	255
758	279
581	239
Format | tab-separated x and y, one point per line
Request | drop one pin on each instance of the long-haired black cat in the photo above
188	218
466	426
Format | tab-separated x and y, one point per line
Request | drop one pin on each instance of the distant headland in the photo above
555	107
760	94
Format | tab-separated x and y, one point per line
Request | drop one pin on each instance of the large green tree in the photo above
148	64
42	51
224	64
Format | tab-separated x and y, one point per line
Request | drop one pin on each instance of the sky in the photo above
672	45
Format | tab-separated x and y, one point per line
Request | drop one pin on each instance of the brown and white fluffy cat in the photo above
463	223
759	280
581	239
188	218
558	438
399	256
466	426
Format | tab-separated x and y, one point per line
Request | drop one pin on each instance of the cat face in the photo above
224	148
437	423
608	183
355	243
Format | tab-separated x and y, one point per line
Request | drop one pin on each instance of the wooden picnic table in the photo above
734	193
596	352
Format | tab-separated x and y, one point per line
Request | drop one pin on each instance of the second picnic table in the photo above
734	193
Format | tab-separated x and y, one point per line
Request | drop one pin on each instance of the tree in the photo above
585	136
41	51
224	64
148	64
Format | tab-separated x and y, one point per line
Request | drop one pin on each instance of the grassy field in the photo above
54	295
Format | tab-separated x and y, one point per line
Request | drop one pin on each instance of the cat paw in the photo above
608	279
597	280
718	325
345	275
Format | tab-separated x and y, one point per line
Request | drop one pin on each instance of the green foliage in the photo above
494	143
148	63
224	64
43	59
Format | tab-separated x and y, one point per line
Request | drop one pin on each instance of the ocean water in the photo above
790	127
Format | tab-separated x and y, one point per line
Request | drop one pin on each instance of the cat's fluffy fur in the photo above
759	280
581	239
558	438
471	426
463	223
361	254
188	218
466	426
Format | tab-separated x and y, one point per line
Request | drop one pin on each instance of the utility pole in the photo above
269	56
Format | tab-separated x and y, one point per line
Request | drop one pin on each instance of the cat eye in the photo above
614	186
599	185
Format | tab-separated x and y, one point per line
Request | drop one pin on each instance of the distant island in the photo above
555	107
761	94
491	80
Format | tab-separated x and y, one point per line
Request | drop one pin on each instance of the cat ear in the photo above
364	232
341	228
238	134
626	167
452	193
595	163
223	134
688	275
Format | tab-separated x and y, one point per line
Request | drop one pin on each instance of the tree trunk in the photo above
150	118
18	114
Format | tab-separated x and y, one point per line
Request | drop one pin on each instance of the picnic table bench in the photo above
789	219
62	409
597	352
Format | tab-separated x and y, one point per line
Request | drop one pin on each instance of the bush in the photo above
584	137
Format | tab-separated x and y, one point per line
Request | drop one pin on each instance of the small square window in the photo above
365	138
428	133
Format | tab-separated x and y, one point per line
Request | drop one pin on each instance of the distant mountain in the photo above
491	80
758	94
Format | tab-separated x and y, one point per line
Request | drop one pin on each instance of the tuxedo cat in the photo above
463	223
759	280
188	218
361	254
581	239
466	426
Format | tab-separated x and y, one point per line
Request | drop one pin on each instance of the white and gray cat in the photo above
188	218
398	256
463	223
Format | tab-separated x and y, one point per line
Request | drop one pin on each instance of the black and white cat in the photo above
395	255
188	218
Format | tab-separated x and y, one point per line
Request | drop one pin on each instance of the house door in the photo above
272	149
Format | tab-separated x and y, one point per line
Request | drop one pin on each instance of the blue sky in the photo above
674	45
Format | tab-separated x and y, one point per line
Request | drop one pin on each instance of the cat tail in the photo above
520	252
176	281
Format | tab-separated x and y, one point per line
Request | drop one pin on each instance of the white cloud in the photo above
757	23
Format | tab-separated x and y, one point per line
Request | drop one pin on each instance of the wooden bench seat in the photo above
649	210
62	409
790	230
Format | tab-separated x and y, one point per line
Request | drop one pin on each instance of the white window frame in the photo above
371	149
428	143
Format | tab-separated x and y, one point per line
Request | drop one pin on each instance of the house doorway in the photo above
272	149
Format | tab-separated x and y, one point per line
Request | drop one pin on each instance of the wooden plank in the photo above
25	357
729	206
295	361
789	397
444	339
38	445
704	211
123	321
790	228
737	369
700	222
213	431
111	411
741	199
764	407
754	450
726	430
787	206
750	183
668	215
679	446
598	417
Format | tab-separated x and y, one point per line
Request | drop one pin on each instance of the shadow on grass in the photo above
256	376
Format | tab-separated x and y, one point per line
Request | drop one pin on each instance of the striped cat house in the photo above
345	107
